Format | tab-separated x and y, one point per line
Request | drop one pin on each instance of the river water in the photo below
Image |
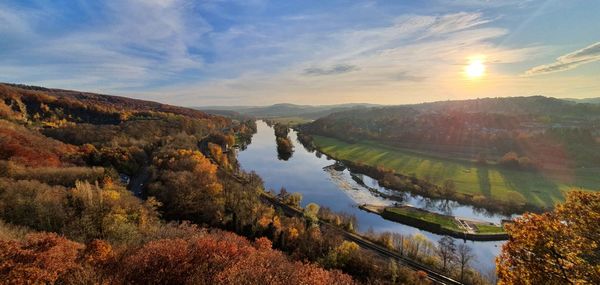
308	173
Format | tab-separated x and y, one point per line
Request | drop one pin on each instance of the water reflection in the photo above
321	181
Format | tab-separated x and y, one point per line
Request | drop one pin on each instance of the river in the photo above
307	173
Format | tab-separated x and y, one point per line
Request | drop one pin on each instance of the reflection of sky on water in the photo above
309	175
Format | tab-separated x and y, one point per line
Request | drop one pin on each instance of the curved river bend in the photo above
306	173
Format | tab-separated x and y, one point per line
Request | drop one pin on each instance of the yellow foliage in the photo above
293	233
111	195
346	248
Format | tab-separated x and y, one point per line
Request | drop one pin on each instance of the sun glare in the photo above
475	69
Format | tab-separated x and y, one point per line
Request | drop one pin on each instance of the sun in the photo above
475	69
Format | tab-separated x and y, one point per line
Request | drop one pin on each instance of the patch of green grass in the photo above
444	221
490	181
489	229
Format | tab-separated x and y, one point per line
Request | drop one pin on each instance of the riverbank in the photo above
494	189
463	228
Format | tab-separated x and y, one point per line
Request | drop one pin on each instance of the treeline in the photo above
178	254
455	260
390	179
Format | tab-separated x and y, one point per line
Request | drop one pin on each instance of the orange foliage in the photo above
198	258
41	258
222	258
188	186
98	252
28	148
558	247
217	154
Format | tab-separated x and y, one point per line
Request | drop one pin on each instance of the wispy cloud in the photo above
336	69
406	76
569	61
411	54
138	41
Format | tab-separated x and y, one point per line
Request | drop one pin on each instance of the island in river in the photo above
464	228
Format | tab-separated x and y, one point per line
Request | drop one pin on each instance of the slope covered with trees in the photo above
96	189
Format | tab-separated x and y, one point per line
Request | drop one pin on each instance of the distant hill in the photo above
585	100
287	110
493	126
532	105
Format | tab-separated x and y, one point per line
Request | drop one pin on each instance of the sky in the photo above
259	52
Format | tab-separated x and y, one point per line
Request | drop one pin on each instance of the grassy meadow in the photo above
444	221
470	178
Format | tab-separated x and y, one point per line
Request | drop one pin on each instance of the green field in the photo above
444	221
489	229
470	178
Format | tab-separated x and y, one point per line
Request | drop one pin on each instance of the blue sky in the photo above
256	52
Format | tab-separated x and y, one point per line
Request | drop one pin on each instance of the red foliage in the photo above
221	258
30	149
41	258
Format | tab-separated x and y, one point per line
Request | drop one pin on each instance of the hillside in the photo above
522	151
17	97
533	106
585	100
492	126
101	189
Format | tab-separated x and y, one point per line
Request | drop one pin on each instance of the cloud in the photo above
387	62
405	76
456	22
569	61
191	52
336	69
131	43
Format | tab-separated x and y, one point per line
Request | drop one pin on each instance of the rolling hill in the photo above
307	112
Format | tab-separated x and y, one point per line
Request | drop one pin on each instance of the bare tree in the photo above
446	251
464	256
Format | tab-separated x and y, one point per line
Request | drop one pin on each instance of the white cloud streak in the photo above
569	61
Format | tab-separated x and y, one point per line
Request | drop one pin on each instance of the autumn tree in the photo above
216	152
285	148
185	182
558	247
311	212
220	258
42	258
